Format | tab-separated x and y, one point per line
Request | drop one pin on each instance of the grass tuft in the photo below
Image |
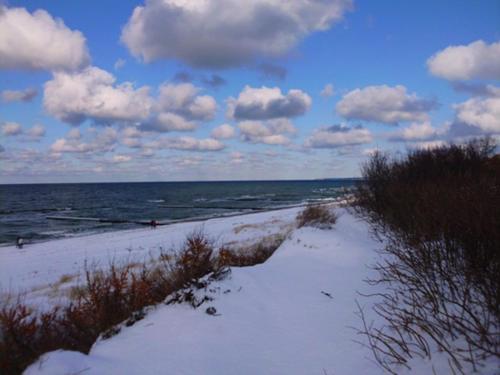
318	216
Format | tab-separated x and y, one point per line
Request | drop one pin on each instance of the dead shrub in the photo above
106	299
252	255
114	296
316	216
438	212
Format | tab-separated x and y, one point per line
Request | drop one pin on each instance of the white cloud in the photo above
224	131
36	41
482	113
384	104
267	103
131	137
270	132
476	60
187	144
74	134
167	122
11	129
218	34
429	145
36	132
26	95
63	145
327	90
92	94
121	158
337	136
103	140
179	107
183	99
120	63
415	132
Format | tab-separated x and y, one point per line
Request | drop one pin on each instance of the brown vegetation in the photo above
114	296
318	216
438	212
252	255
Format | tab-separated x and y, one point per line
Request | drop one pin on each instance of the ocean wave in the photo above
156	200
42	210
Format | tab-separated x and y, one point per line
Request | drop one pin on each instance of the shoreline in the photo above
37	268
164	223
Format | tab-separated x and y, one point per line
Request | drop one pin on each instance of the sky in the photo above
180	90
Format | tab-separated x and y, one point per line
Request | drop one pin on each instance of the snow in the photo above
36	270
294	314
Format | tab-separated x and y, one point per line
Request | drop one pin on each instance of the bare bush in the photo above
106	299
250	256
114	296
438	212
318	216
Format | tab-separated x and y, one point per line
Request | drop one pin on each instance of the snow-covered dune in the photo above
294	314
291	315
37	269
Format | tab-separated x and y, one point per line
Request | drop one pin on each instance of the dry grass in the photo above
318	216
250	256
113	296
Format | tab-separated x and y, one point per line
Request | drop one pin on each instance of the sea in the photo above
42	212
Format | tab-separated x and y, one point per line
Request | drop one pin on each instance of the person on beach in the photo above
153	224
19	243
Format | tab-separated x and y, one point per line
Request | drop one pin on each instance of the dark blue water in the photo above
24	209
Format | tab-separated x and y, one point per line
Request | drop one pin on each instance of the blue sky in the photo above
75	107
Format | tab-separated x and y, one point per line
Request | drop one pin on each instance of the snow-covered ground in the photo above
293	314
45	271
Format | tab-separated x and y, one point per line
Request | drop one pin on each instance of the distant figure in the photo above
19	243
153	224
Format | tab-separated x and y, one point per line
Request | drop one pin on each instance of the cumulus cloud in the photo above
187	144
271	132
120	63
179	107
337	136
415	132
224	131
35	41
26	95
10	129
103	140
477	60
385	104
93	94
168	122
267	103
224	33
327	90
36	132
479	112
183	99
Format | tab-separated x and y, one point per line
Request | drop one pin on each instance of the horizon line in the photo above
180	181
